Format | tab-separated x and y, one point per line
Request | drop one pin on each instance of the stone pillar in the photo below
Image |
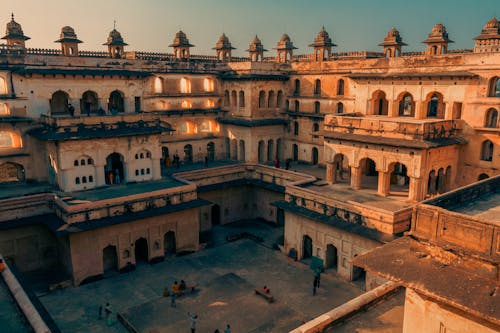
415	189
330	173
448	111
393	109
420	110
100	179
356	178
384	183
156	166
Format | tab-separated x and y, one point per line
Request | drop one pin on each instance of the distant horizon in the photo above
151	25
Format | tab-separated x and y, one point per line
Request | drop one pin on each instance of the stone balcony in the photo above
392	127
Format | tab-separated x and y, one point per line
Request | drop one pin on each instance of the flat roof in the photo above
486	207
464	283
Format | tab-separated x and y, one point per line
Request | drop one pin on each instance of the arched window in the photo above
242	99
210	103
208	126
186	104
317	106
340	107
75	163
116	102
4	109
317	87
270	99
59	103
77	180
296	91
208	85
295	128
185	86
494	88
315	127
491	120
487	151
82	162
226	98
340	87
10	140
432	107
188	127
91	179
297	106
406	108
90	161
279	99
89	102
233	98
3	86
262	99
84	180
158	85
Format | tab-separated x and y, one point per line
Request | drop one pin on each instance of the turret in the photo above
489	39
115	44
14	34
322	45
223	48
181	46
284	49
437	42
69	42
393	43
256	50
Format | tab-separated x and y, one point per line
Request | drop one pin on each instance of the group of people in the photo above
114	177
287	163
193	319
100	111
108	311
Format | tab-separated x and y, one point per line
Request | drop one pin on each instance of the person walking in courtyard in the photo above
108	311
227	329
315	285
317	275
192	318
172	299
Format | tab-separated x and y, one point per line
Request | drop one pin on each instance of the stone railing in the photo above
53	52
11	50
257	172
389	222
68	123
118	206
400	127
25	206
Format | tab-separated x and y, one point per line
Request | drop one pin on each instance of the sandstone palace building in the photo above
102	153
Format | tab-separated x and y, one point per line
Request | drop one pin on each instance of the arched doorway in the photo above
109	259
270	150
399	180
169	243
314	153
242	151
279	152
369	178
211	151
483	176
331	257
188	154
342	170
166	162
234	149
141	250
380	103
11	173
215	215
59	104
227	147
114	169
261	151
116	102
89	103
431	183
295	149
307	249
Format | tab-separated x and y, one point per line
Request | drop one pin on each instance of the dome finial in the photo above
114	24
12	16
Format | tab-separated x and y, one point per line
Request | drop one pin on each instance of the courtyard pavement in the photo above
225	274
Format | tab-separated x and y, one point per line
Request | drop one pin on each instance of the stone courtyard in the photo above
226	274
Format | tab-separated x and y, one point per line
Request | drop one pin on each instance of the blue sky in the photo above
150	25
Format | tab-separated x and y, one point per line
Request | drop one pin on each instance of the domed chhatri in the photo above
223	48
489	39
437	41
393	43
69	41
14	34
284	49
115	43
256	50
181	45
322	45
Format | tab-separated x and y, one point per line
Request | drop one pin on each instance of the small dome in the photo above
256	45
223	43
115	38
14	30
180	40
492	24
285	38
322	39
438	35
393	38
67	30
285	43
68	35
393	33
256	41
